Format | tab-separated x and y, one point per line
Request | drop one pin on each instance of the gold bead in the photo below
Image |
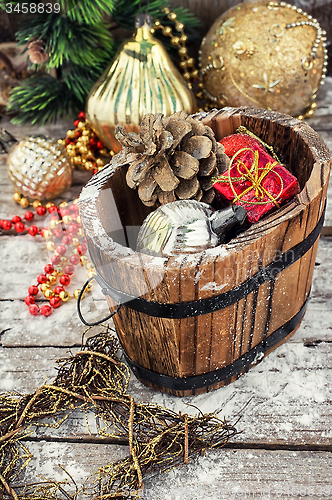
199	95
189	85
49	204
58	271
300	117
77	160
89	287
47	234
172	16
152	31
81	125
86	133
99	162
44	287
17	197
52	278
314	105
63	204
201	85
83	150
167	30
71	152
74	251
190	61
166	10
89	165
89	155
175	40
78	219
53	223
179	26
183	64
61	141
71	134
84	260
91	274
103	151
90	266
24	202
75	242
49	293
36	204
183	51
64	296
76	293
64	259
50	246
194	74
310	112
67	219
83	161
184	38
79	143
186	75
157	22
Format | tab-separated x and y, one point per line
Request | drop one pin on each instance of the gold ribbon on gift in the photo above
255	176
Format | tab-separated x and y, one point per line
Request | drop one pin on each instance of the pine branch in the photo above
66	40
87	11
41	99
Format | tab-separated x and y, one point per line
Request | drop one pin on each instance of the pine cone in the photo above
172	158
36	52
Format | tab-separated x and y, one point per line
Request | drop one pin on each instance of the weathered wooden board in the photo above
285	400
220	475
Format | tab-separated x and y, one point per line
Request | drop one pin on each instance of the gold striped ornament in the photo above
141	79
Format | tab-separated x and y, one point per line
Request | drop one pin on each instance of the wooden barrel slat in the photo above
111	214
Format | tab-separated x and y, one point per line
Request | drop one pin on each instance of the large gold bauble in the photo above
141	79
263	54
39	168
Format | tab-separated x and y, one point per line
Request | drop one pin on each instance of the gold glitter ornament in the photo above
141	79
39	168
264	54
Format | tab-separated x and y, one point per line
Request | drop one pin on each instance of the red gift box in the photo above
255	179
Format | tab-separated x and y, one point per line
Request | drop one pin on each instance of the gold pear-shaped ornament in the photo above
141	79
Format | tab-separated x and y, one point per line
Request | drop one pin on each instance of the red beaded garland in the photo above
55	259
6	225
74	259
61	249
41	210
69	269
16	219
55	301
82	249
33	290
29	216
58	289
49	269
19	227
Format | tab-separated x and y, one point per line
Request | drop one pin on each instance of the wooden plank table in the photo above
284	449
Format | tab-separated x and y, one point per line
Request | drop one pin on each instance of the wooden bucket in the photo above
192	323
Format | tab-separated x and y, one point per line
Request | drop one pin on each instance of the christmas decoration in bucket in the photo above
264	54
193	322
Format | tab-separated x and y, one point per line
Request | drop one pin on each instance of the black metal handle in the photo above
79	307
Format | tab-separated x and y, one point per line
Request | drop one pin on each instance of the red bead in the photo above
6	225
81	115
76	122
100	145
69	269
19	227
29	299
67	240
16	219
64	279
57	233
33	230
78	133
73	208
82	249
46	310
29	216
61	249
55	259
74	259
33	290
58	289
72	229
68	141
93	142
55	302
52	209
64	211
49	269
41	210
42	279
34	309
